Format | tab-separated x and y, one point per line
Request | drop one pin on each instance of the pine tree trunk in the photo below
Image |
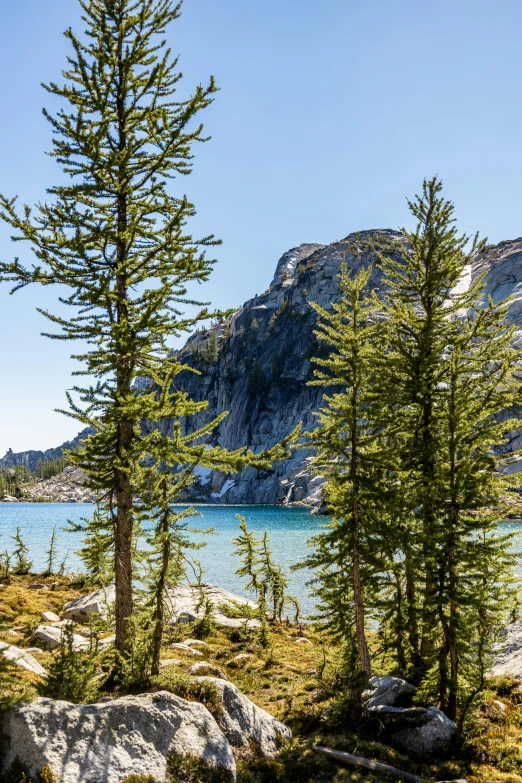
159	613
123	545
401	654
125	427
362	645
452	633
411	604
429	609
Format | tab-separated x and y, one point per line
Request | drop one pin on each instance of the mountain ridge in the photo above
258	364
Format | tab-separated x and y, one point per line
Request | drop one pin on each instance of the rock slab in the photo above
182	601
22	658
389	691
51	635
243	720
109	741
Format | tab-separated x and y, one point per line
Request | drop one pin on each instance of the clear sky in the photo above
330	114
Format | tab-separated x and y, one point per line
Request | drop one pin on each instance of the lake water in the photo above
289	529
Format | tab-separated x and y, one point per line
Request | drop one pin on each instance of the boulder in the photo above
39	587
22	658
242	720
204	668
184	648
49	617
51	635
82	608
109	741
196	643
391	691
434	733
170	662
303	640
508	653
184	599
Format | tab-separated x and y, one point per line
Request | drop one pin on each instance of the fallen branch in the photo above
358	761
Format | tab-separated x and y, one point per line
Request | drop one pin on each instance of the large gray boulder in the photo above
433	733
109	741
387	690
99	602
242	720
22	658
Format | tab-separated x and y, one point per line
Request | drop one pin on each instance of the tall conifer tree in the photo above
117	239
422	304
345	442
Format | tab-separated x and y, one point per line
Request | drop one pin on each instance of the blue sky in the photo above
330	113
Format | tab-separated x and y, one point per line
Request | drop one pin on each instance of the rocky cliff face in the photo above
258	366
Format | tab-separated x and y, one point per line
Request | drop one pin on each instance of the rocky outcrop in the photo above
243	721
109	741
82	608
422	730
432	733
22	658
183	603
67	487
258	366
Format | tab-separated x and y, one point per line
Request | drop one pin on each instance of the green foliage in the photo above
47	468
51	554
116	237
407	443
265	578
346	446
71	673
21	563
13	479
139	779
191	689
246	548
192	769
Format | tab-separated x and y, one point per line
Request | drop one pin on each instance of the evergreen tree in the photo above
446	372
481	383
22	564
345	444
117	239
246	548
71	674
51	554
421	308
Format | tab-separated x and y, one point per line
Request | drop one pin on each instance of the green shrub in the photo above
71	674
191	769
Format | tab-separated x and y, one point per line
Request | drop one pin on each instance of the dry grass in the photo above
280	679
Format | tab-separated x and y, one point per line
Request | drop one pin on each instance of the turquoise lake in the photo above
289	529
